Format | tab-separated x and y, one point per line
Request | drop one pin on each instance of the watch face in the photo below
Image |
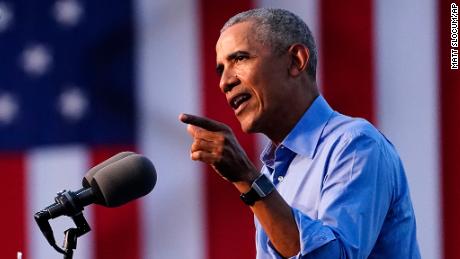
263	186
260	188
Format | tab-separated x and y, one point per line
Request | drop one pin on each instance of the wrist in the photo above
244	186
260	188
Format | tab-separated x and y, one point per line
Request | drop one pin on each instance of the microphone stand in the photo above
70	235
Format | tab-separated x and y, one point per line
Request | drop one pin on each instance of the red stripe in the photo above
450	139
13	216
347	56
117	230
230	229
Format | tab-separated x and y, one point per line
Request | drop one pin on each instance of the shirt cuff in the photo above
313	235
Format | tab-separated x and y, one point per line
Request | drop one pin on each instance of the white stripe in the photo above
48	171
168	75
407	104
309	12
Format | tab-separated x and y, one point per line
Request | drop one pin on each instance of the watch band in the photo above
260	188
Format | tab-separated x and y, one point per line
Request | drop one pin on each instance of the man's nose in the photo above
228	80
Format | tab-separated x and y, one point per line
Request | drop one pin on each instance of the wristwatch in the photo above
260	188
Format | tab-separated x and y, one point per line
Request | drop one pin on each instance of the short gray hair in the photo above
280	29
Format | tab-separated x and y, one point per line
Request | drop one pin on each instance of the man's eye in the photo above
240	58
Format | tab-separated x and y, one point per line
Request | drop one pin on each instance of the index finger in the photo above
202	122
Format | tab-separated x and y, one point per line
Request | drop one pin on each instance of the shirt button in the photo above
280	178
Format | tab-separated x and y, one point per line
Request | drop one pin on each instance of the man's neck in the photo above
282	130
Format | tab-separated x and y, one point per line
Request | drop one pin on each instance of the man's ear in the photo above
299	55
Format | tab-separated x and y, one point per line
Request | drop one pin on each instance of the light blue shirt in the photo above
346	186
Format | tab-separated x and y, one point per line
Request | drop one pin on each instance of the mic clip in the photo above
66	204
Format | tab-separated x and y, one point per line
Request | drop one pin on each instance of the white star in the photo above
6	16
36	60
8	108
68	12
72	103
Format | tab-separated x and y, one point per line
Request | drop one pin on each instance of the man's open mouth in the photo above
239	99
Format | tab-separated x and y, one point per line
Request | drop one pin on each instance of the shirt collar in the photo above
304	137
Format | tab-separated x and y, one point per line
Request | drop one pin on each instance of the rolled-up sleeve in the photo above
313	235
355	196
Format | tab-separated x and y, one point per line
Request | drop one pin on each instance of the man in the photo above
331	186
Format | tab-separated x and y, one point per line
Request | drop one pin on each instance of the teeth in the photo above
238	100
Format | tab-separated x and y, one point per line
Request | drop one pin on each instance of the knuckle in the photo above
220	139
190	128
195	147
194	156
199	155
219	151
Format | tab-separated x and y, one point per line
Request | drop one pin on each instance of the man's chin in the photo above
249	126
247	130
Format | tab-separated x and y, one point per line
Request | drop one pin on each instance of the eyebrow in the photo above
231	56
236	54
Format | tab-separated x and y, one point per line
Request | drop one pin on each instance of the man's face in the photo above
253	78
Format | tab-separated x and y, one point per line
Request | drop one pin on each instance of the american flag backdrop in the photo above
81	80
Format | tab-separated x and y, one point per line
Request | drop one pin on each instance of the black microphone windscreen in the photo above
86	182
124	180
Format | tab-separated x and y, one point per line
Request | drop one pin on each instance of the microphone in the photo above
112	183
86	182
